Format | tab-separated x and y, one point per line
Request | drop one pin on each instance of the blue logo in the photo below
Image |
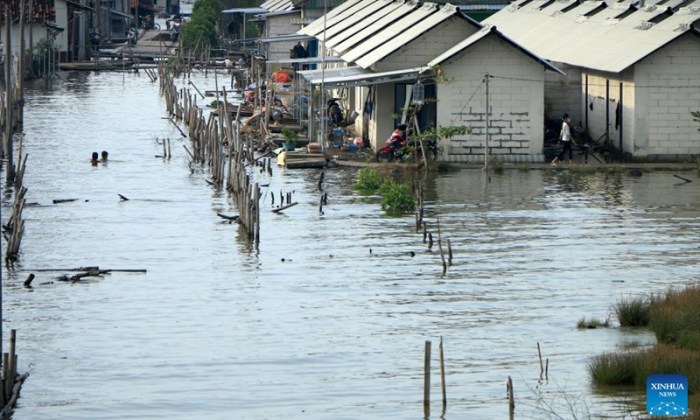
667	395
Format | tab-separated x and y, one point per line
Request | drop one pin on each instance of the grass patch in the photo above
591	323
675	318
614	368
633	312
633	367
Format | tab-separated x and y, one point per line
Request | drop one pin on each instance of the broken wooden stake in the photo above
229	218
684	179
28	282
279	209
122	197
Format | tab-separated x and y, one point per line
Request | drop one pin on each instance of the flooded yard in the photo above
328	317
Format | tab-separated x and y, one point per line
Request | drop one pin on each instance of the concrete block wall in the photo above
516	103
599	95
563	93
278	26
667	92
427	46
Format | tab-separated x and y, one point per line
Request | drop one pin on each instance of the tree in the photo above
201	29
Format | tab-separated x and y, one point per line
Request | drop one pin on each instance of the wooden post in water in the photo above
442	377
426	375
539	353
449	253
511	397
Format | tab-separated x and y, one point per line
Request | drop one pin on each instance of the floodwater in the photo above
328	318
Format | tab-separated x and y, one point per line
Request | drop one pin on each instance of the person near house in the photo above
398	137
566	141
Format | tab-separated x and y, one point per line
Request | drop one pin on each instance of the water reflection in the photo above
335	330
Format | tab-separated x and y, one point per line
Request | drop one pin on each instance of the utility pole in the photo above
486	129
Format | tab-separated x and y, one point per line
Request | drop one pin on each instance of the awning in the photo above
246	10
357	76
121	14
309	60
284	38
279	13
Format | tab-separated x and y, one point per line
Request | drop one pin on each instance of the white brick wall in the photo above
516	102
668	89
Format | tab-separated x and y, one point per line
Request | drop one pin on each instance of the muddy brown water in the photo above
219	330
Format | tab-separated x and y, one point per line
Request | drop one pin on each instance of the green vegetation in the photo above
696	117
201	30
633	312
290	136
633	368
674	317
592	323
368	180
397	199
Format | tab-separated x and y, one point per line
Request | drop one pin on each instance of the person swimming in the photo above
94	159
105	155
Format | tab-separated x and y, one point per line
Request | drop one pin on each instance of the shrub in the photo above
633	312
397	199
368	180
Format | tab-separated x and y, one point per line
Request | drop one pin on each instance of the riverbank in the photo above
674	318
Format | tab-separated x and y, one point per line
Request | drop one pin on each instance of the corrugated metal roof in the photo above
358	26
408	34
378	25
483	33
277	5
404	25
316	26
599	42
371	9
339	19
